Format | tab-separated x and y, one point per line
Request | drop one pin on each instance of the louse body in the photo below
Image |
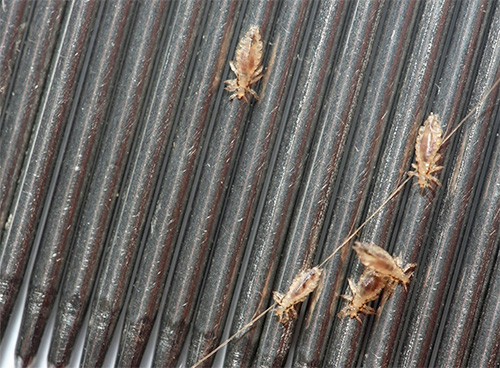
368	288
377	259
302	285
247	66
429	140
381	275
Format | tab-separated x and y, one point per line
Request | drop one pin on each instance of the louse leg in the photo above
346	297
254	94
407	270
351	312
367	310
414	172
234	69
346	311
288	315
435	169
435	180
255	79
231	85
388	291
245	97
424	182
259	71
278	297
410	267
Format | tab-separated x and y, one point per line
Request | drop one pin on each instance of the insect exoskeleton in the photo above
247	66
302	285
380	261
429	140
368	288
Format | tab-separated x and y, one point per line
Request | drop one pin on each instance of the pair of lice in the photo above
247	66
380	277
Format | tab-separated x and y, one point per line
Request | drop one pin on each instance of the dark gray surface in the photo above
416	221
158	124
290	176
196	122
249	174
51	121
284	177
73	177
332	130
375	114
94	221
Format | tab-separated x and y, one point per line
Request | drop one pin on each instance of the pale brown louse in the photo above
302	285
429	141
380	261
381	275
247	66
368	288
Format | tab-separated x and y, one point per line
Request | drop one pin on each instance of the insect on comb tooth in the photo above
302	285
376	258
368	288
247	66
379	260
428	143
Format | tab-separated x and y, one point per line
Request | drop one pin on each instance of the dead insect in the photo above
429	142
368	288
377	259
302	285
247	67
381	275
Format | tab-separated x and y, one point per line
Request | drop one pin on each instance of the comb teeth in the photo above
136	196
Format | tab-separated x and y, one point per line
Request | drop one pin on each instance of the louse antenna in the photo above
353	234
448	136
